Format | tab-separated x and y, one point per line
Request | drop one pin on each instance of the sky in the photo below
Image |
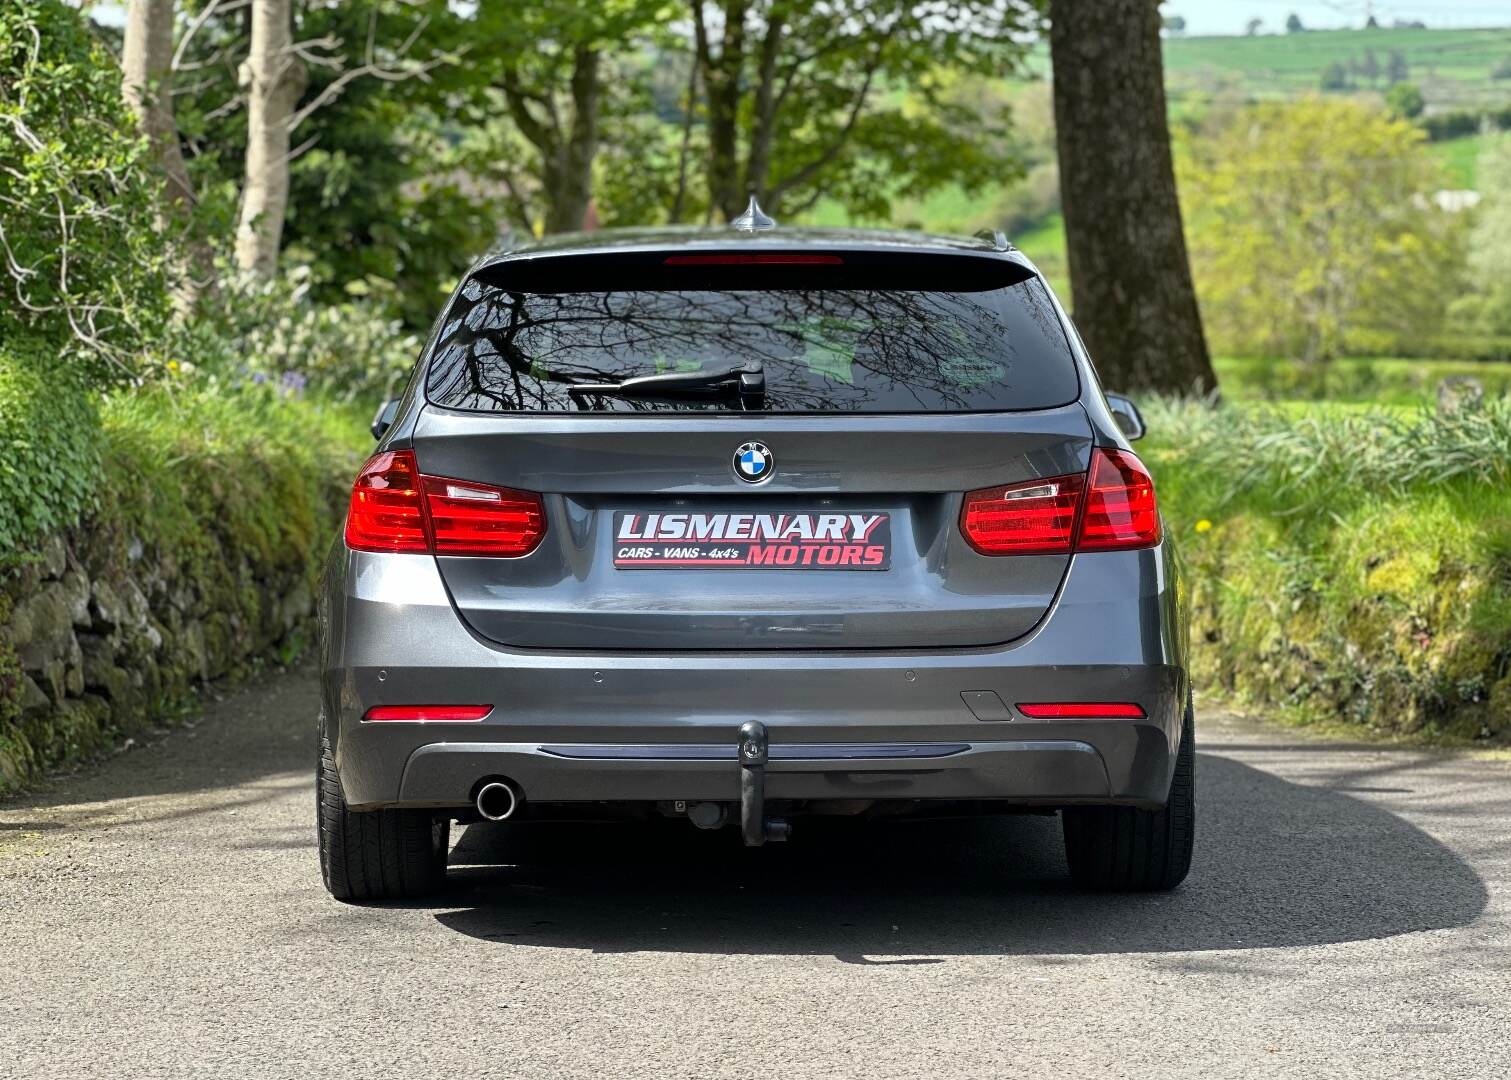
1230	16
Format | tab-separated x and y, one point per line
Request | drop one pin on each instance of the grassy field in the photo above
1451	66
1373	381
1460	159
1045	245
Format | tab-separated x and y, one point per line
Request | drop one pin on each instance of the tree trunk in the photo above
721	84
146	64
1130	278
758	167
679	201
275	78
569	189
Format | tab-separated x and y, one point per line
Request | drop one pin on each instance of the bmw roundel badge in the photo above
754	462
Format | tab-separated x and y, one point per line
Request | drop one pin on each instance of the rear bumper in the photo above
1046	769
573	727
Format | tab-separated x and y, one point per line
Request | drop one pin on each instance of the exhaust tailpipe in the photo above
498	799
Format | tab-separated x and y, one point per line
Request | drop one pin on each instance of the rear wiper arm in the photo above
745	383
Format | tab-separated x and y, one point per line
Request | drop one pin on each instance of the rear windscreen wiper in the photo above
745	384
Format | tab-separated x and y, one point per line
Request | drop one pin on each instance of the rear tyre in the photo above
377	854
1125	849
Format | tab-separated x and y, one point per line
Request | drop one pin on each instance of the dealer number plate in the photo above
779	540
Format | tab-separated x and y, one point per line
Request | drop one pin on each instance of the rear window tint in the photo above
839	343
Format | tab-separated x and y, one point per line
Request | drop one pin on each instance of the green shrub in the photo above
84	265
255	333
49	446
1344	563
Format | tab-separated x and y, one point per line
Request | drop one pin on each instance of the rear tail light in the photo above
423	713
396	508
385	512
1037	518
1083	710
1109	507
475	519
1120	507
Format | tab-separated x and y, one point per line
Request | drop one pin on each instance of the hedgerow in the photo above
1345	564
215	512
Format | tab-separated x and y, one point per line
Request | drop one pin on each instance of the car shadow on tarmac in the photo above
1278	864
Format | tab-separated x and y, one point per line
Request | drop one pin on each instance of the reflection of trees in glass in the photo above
827	350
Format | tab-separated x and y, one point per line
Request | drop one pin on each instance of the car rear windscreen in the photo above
925	336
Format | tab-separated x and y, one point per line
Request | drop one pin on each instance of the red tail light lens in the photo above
1083	710
1109	507
475	519
395	508
1036	518
422	713
385	512
1121	511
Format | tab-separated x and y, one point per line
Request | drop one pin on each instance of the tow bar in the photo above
755	826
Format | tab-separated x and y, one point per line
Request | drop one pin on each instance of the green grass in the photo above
1459	159
949	209
1045	245
1396	381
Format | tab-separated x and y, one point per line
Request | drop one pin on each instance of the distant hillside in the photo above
1452	67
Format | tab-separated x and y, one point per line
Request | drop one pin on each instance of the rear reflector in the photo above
769	258
1109	507
421	713
1083	710
396	508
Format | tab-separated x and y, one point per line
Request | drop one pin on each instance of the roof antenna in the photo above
754	219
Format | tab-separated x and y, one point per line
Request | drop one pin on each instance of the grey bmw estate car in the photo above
743	526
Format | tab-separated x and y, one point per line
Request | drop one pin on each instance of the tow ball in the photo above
755	827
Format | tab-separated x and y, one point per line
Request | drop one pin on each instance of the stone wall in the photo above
98	640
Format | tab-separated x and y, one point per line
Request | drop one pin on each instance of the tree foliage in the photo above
1314	231
1405	99
800	99
81	260
1487	304
377	200
564	75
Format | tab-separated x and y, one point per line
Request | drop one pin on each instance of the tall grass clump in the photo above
1322	452
1347	563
